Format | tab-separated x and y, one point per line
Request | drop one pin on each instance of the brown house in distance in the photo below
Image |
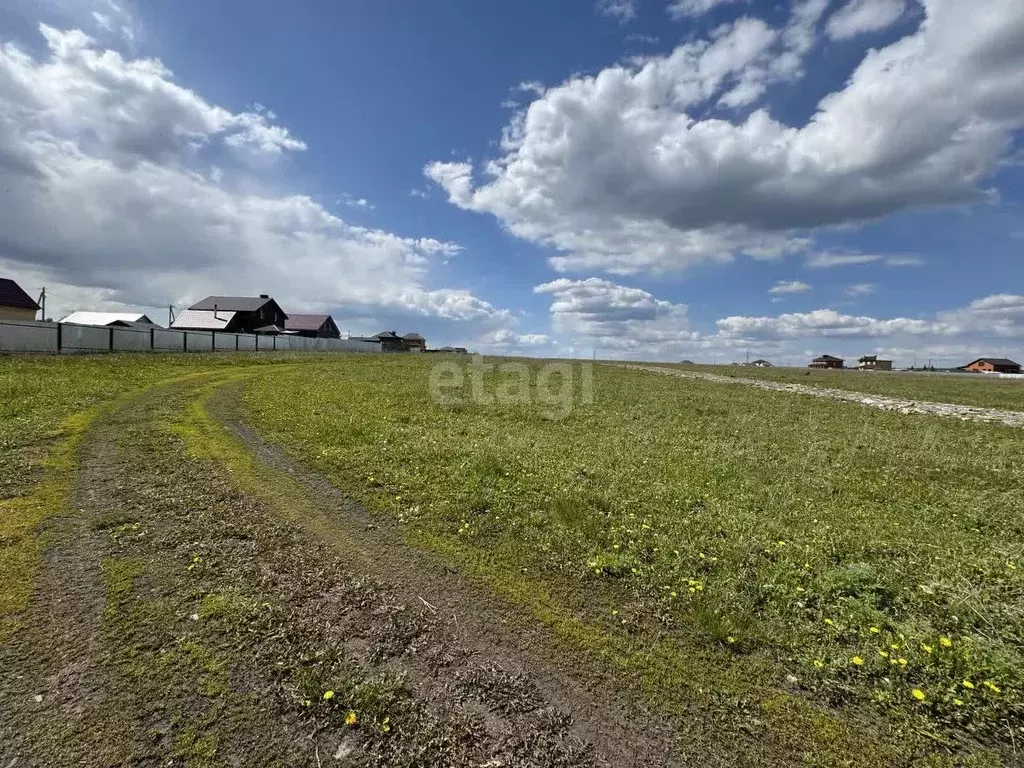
414	342
872	363
826	361
993	365
314	326
15	304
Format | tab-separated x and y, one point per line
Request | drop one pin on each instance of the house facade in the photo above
234	314
313	326
872	363
826	361
15	304
414	342
993	365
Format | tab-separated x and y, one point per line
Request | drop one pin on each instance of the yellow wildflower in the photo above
351	719
874	630
927	648
730	639
884	654
328	695
968	684
992	686
918	694
857	660
819	663
958	702
829	622
945	642
902	662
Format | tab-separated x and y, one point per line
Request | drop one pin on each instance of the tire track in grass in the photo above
770	727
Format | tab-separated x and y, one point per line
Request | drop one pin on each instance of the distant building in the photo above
993	365
15	304
235	314
759	364
316	326
687	362
454	350
872	363
110	319
414	342
826	361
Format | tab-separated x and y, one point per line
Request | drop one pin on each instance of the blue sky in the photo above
657	179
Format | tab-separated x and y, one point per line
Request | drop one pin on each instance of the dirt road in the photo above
900	405
181	621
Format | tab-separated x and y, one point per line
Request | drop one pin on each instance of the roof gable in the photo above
306	322
236	304
13	295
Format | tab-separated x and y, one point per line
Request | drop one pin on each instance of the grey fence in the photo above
68	338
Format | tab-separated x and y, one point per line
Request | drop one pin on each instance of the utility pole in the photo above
170	315
42	303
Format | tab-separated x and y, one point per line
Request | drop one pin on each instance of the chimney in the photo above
214	311
264	296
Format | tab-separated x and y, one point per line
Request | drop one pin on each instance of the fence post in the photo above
152	341
236	342
184	341
111	338
60	326
275	341
257	342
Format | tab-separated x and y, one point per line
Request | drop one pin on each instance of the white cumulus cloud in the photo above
860	16
789	286
621	172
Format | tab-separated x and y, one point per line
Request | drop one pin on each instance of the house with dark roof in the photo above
759	363
826	361
15	304
872	363
992	365
234	314
414	342
389	341
314	326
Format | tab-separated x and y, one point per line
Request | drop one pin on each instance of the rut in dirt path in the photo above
624	732
882	402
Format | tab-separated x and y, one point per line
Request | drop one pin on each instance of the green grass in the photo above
964	389
873	557
46	407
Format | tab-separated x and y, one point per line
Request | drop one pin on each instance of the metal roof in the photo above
106	318
413	337
12	295
202	320
306	322
232	303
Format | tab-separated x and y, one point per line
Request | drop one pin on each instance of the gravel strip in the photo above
898	404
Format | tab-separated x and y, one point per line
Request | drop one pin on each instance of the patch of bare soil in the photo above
882	402
179	622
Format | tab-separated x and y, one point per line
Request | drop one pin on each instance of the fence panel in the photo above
199	341
84	338
131	340
246	342
168	341
27	336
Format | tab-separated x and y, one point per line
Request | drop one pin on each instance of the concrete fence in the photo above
68	338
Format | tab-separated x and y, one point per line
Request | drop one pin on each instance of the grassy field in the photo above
839	583
965	389
46	403
872	558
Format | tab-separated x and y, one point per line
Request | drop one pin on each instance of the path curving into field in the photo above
183	617
882	402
